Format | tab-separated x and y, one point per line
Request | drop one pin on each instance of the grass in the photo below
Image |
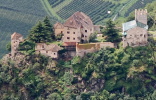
49	10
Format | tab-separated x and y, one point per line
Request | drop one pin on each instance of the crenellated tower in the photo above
141	15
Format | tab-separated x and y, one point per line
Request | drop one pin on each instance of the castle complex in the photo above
78	28
135	31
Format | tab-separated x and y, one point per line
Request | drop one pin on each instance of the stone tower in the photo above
141	16
16	38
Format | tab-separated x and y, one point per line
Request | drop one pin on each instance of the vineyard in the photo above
18	16
138	4
97	10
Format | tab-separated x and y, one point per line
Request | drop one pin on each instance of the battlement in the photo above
141	15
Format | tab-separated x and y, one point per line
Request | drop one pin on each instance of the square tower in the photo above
141	16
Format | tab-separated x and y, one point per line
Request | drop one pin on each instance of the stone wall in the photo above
141	16
15	45
82	49
135	37
71	34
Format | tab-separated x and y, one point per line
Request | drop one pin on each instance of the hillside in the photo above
109	74
19	16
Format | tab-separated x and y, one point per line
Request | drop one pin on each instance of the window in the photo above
42	46
85	30
46	51
61	31
73	32
68	37
73	38
54	53
68	32
140	34
85	36
82	35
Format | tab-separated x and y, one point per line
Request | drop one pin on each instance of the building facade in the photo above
50	50
16	38
77	28
135	31
58	28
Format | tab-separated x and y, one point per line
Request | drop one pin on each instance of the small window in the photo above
61	31
46	51
140	34
85	30
54	53
68	37
68	32
82	35
42	46
85	36
73	38
73	32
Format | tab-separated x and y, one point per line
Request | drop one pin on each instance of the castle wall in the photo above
141	16
135	37
15	45
71	34
86	32
48	53
82	49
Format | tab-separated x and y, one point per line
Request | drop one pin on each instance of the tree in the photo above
48	28
54	96
37	33
92	37
8	46
111	32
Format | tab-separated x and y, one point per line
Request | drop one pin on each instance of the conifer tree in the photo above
110	32
37	33
48	28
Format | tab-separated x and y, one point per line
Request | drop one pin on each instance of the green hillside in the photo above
19	16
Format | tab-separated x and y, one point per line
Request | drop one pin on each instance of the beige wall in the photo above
141	16
58	31
47	53
15	45
91	47
135	37
74	35
86	33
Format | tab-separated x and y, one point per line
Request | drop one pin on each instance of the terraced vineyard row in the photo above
54	3
96	9
138	4
18	16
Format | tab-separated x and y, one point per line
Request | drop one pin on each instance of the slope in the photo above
19	16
